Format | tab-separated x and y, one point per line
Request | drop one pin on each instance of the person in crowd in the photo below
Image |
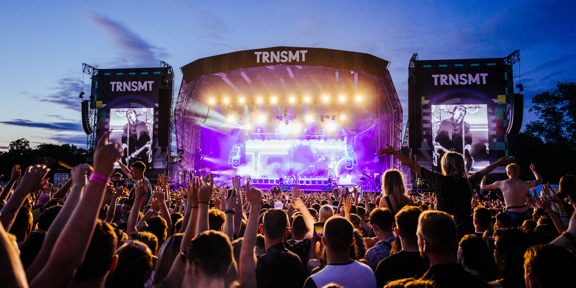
548	266
33	244
394	190
382	222
509	250
515	191
278	267
453	188
475	256
166	255
408	262
341	269
503	221
482	221
134	265
438	242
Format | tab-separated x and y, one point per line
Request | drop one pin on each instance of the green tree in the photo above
556	111
19	145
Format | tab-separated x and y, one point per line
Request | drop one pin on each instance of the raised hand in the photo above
232	201
33	178
254	196
106	155
16	173
348	205
139	190
236	180
79	174
206	190
532	167
192	191
389	150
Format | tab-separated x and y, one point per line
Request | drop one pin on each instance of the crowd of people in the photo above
99	230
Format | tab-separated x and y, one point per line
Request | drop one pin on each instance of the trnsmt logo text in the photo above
280	56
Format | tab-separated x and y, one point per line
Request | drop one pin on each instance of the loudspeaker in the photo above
164	116
86	117
414	113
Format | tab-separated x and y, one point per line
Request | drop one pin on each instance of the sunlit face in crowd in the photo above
125	209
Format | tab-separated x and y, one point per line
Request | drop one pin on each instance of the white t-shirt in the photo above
349	275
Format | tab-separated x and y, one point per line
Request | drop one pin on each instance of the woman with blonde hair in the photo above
394	191
453	188
325	213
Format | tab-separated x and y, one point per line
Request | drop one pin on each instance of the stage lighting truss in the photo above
276	100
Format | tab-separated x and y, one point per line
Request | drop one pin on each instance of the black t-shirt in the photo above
453	276
453	195
279	267
401	265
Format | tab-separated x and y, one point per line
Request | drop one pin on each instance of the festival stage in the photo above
286	116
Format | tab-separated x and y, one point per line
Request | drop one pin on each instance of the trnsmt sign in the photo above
280	56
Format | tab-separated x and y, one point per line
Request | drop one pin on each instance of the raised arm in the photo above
12	272
405	160
501	162
32	180
164	209
204	195
64	190
79	180
14	176
68	255
493	186
125	169
538	180
139	191
230	213
308	218
247	266
238	210
567	238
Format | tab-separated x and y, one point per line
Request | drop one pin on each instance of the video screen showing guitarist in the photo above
132	128
453	134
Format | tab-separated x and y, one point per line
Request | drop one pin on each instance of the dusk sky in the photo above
44	43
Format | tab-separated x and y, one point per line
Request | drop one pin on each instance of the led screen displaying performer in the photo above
132	127
299	159
461	128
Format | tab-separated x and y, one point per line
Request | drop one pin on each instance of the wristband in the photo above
230	212
99	178
204	202
151	210
194	206
313	244
568	235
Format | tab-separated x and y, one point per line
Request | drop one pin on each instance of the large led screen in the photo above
133	129
464	129
299	159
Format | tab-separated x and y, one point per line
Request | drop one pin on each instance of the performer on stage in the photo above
453	134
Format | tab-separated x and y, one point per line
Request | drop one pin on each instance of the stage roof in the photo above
303	56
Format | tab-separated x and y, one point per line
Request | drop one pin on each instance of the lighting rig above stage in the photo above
316	121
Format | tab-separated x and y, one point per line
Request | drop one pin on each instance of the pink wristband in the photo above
99	178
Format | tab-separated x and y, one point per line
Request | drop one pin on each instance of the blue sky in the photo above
44	44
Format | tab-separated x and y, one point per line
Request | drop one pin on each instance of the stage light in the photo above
274	100
325	99
342	117
226	100
292	99
331	126
358	98
242	100
261	118
259	100
231	118
309	118
248	126
295	127
212	101
342	98
306	99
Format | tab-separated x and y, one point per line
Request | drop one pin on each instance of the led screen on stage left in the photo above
133	129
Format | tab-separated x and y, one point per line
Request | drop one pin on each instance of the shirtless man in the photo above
515	191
